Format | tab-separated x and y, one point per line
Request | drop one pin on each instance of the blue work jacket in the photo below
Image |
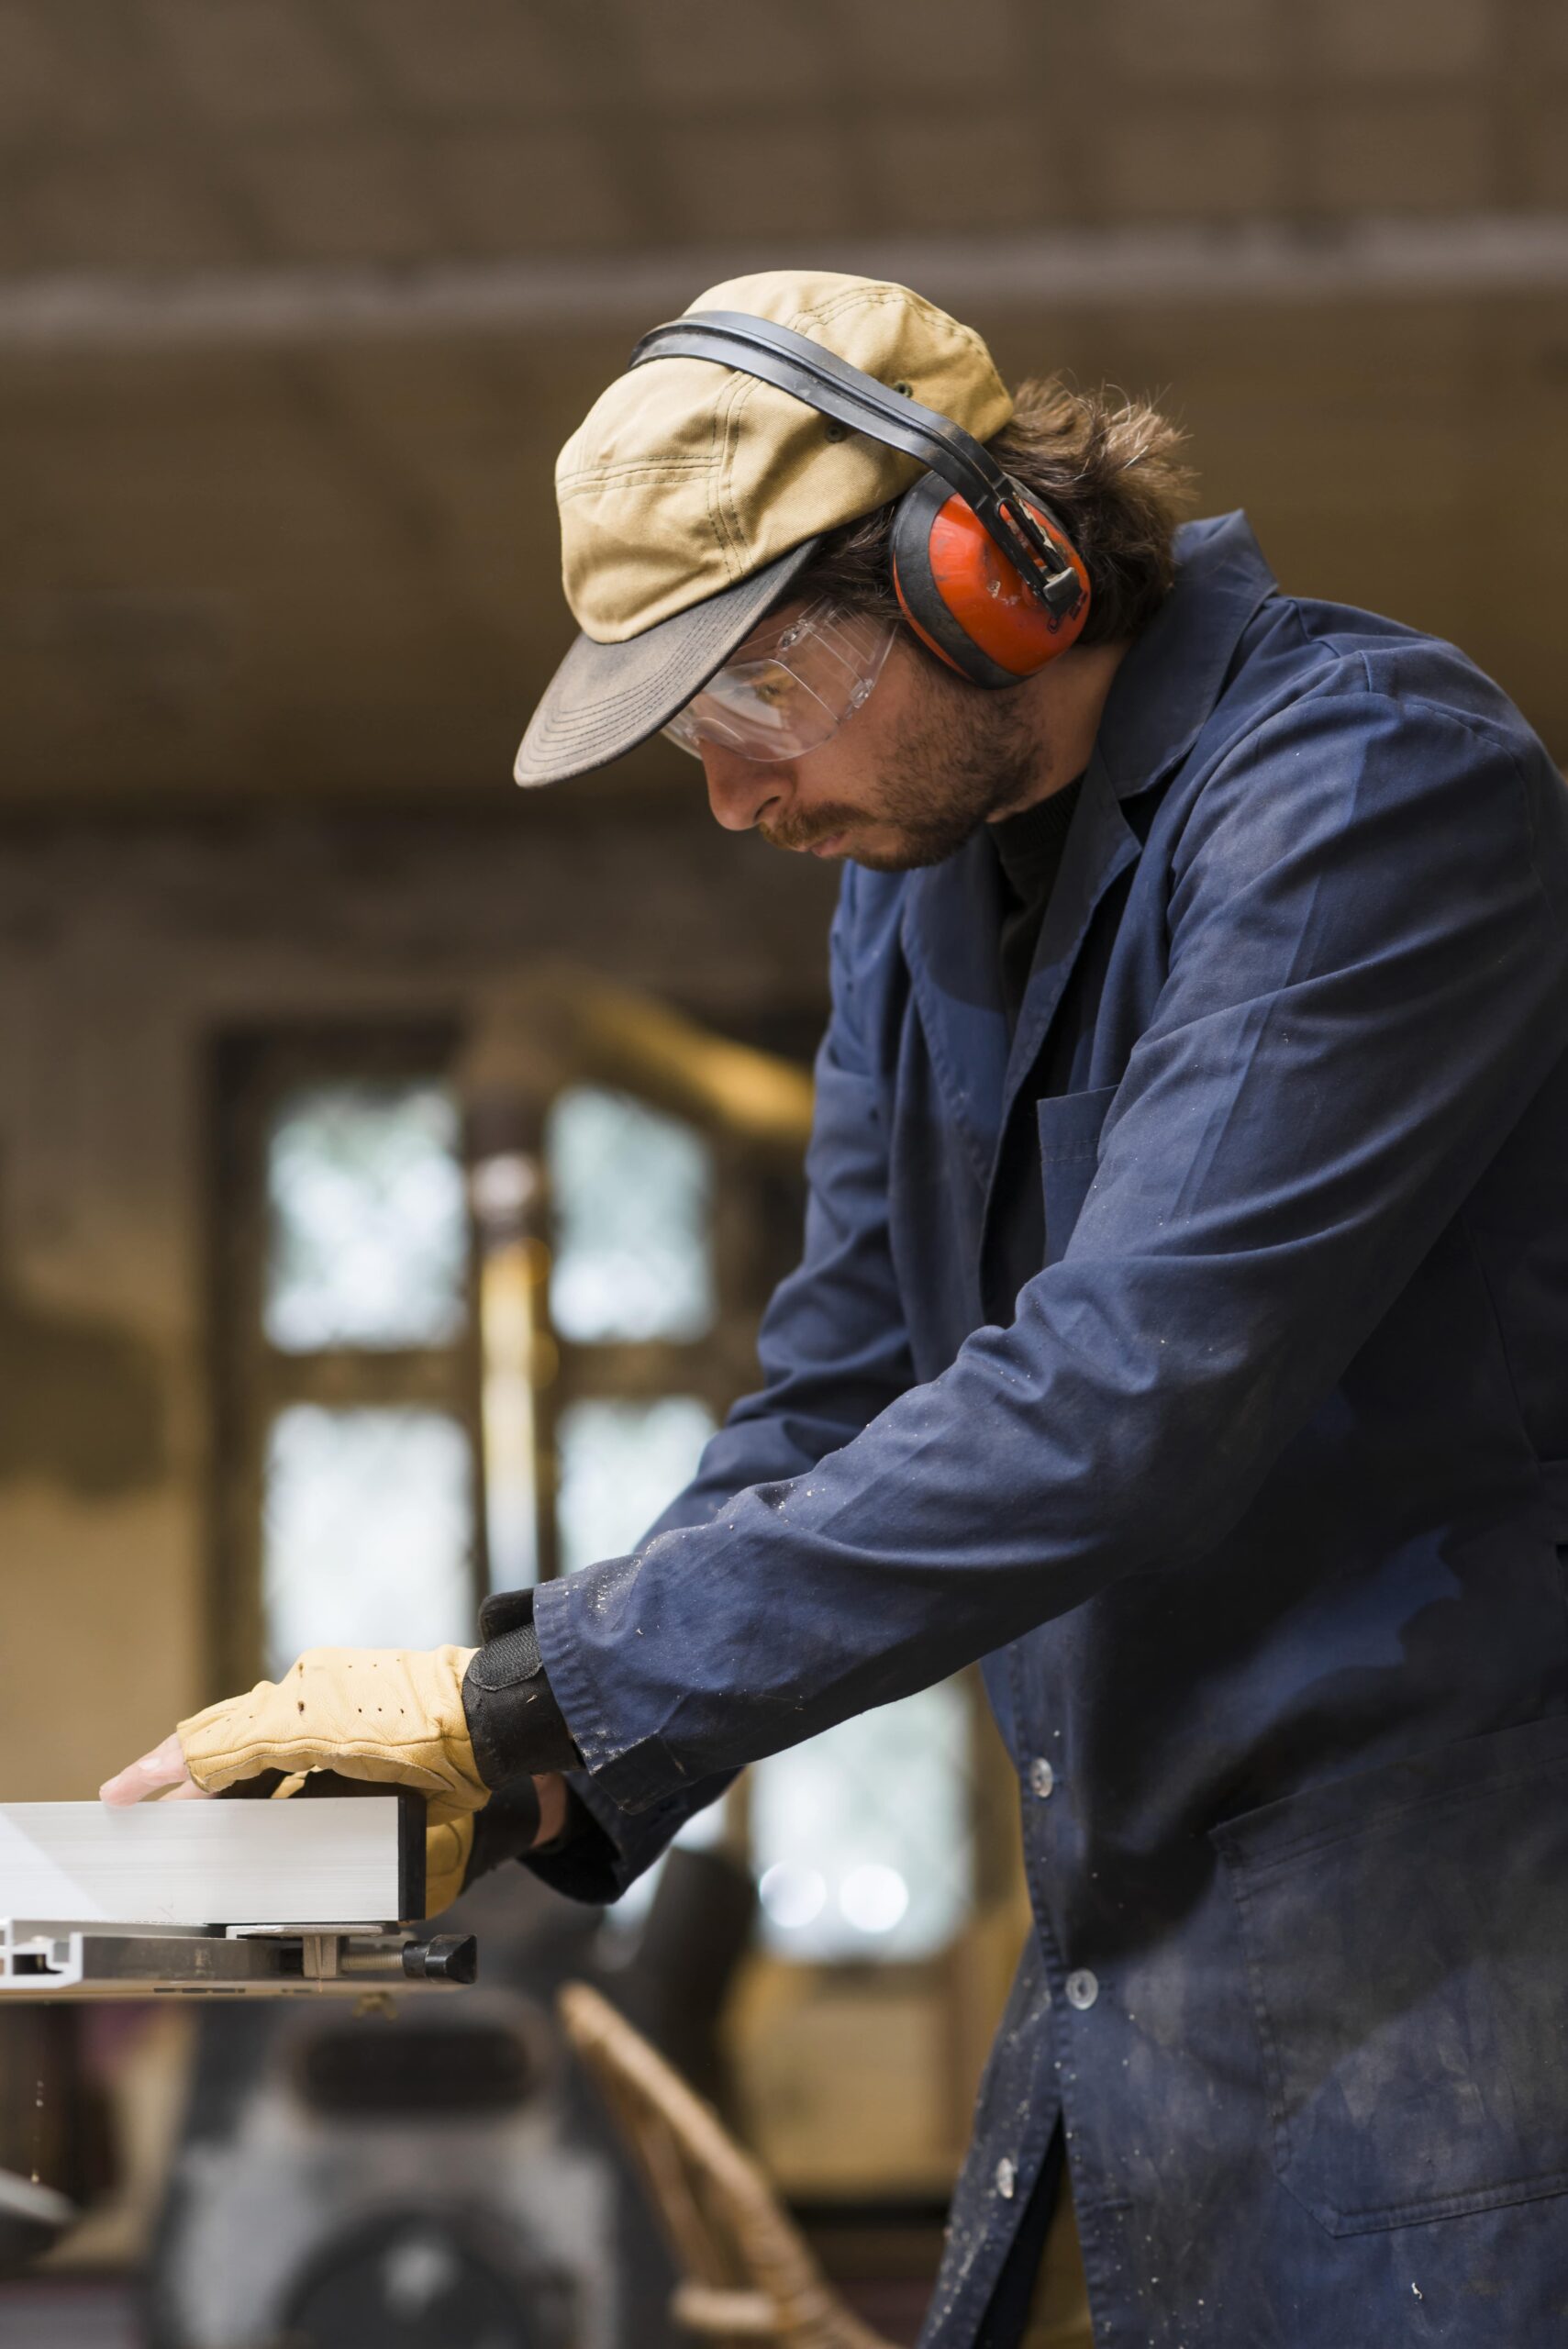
1196	1357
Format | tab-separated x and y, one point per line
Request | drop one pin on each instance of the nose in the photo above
740	791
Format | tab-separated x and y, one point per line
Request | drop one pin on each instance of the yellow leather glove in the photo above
449	1840
393	1715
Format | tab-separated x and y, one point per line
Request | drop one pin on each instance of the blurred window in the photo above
368	1233
621	1463
862	1838
350	1401
367	1530
633	1194
348	1389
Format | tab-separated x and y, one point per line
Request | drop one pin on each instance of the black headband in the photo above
823	381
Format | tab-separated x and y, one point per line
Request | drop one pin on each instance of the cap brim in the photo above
605	698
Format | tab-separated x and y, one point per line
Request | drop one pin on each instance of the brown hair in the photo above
1103	464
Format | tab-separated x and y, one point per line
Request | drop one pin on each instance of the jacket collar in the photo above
1164	691
1166	688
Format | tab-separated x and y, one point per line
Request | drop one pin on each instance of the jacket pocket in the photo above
1069	1127
1406	1942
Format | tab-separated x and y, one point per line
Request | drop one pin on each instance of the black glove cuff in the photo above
516	1728
504	1610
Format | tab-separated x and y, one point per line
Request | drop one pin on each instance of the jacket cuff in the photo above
515	1727
634	1777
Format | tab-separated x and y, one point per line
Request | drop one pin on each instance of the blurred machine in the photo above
388	2183
436	2176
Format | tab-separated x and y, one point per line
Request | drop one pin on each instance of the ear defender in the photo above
965	600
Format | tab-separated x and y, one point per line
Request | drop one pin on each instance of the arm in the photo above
1366	985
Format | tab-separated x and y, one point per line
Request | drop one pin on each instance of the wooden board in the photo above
326	1862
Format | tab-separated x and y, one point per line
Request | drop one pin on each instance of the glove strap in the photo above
516	1728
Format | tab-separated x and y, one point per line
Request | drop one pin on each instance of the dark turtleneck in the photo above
1029	850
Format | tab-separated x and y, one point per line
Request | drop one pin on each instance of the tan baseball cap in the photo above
691	495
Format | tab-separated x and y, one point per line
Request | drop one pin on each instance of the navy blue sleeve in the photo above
1366	986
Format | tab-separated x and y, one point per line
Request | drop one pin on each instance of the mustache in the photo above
804	832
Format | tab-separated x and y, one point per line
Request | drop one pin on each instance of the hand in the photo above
164	1771
393	1716
551	1792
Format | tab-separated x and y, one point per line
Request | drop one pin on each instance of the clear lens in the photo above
790	686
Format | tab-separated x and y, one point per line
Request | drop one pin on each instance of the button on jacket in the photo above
1197	1358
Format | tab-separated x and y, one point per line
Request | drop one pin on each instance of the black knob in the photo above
445	1958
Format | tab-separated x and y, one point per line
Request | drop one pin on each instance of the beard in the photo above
959	757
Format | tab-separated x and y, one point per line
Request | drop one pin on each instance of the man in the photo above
1180	1332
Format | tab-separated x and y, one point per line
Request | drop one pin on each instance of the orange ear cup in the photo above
986	595
965	600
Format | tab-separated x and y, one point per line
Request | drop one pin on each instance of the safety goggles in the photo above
790	686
